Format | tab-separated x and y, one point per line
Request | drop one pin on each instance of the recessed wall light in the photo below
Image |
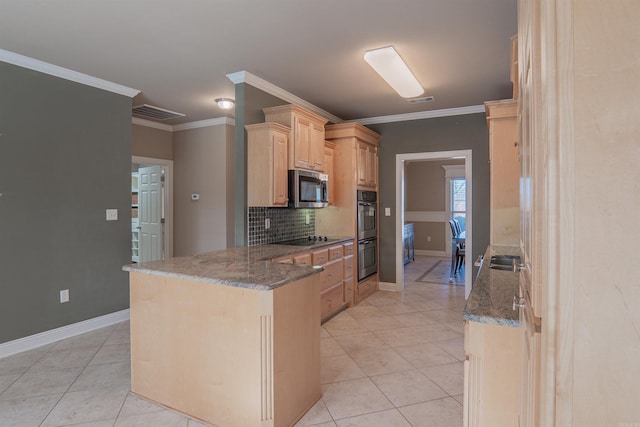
225	103
386	62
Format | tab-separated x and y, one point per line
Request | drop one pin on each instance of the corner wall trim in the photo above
65	73
255	81
421	115
204	123
151	124
53	335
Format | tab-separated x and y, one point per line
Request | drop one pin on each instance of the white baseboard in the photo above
389	286
430	253
53	335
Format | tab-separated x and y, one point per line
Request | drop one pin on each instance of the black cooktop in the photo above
308	241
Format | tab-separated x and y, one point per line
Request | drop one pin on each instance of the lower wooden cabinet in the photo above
366	287
337	285
492	375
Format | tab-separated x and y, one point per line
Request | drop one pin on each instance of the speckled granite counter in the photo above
246	267
491	298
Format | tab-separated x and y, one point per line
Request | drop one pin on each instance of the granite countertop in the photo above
491	298
247	267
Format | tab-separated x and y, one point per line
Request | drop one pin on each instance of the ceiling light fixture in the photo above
225	103
386	62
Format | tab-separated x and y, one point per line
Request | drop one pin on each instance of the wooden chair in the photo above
459	248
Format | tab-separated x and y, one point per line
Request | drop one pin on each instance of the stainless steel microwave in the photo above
308	189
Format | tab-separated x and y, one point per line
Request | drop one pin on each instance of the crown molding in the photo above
184	126
65	73
151	124
447	112
255	81
205	123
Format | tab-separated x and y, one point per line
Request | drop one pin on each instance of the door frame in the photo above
167	208
400	196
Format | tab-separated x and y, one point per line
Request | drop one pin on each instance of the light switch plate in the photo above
112	214
64	296
387	211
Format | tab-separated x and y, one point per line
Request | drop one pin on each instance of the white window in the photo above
458	201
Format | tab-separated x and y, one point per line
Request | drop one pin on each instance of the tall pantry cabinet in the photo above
355	156
579	73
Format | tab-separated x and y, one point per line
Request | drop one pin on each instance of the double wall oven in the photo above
367	234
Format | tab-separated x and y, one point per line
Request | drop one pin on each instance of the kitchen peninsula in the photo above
228	337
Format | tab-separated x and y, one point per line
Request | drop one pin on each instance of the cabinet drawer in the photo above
367	288
348	266
331	299
302	259
348	290
284	259
320	257
348	249
335	252
332	274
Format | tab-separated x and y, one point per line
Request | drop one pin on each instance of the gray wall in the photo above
249	104
65	157
428	135
201	166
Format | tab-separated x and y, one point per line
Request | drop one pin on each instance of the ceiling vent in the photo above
421	100
154	113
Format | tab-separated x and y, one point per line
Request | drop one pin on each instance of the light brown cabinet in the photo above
491	375
337	278
329	154
355	166
306	135
367	165
267	164
349	273
504	170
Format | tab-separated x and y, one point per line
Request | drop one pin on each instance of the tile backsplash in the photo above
286	224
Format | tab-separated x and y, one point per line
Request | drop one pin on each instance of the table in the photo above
455	241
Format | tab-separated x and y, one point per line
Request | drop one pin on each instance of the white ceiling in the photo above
178	53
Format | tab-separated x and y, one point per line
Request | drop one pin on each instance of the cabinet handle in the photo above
517	267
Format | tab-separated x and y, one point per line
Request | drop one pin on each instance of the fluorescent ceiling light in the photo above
394	71
225	103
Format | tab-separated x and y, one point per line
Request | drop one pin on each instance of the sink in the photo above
503	262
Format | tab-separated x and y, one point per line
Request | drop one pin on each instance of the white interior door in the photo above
150	212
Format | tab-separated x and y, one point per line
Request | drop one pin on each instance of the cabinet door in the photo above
280	181
302	143
317	148
328	169
372	166
267	164
362	163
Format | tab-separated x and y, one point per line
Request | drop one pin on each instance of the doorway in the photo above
151	209
401	162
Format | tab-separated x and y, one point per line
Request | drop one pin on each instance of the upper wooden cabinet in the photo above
367	165
329	154
504	170
363	143
306	136
267	164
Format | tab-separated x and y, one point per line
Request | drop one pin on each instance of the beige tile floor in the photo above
394	360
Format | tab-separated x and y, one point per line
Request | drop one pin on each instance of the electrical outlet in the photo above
112	214
64	296
307	218
387	211
267	223
428	238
